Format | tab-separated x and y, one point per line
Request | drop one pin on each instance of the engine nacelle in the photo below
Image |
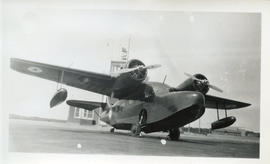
140	74
223	123
194	85
201	86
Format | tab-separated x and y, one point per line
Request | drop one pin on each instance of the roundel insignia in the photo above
34	69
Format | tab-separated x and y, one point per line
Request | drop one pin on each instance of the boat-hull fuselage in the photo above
168	110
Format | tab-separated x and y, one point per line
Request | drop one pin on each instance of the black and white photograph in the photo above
159	83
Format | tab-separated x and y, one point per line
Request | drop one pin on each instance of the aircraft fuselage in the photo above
168	110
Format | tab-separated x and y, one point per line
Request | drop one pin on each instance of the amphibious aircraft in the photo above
133	103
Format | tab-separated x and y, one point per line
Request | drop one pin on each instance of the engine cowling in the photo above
191	84
139	74
201	86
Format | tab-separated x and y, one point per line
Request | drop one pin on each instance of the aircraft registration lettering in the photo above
118	109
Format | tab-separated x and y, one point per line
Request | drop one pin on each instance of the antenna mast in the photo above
129	39
164	79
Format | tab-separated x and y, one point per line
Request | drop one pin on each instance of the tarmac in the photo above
56	137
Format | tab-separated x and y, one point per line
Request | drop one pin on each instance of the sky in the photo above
223	46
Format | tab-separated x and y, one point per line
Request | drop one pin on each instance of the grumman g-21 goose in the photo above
139	105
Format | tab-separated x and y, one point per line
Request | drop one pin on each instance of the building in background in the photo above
86	117
117	65
83	117
236	131
233	131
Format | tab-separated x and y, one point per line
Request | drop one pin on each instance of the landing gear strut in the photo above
174	134
136	129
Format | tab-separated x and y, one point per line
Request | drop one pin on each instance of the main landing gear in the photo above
174	134
136	128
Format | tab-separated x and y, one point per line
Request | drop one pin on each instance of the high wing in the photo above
222	103
90	81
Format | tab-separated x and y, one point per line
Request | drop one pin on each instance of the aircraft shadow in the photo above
144	136
198	142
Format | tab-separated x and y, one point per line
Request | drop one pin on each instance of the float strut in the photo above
217	111
225	110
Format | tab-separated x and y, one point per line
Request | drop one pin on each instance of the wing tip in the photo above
14	59
246	104
242	105
15	63
12	62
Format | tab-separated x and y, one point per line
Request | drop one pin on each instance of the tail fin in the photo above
87	105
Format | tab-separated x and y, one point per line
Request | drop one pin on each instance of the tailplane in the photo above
87	105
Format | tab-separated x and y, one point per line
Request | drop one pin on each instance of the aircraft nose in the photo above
197	101
192	99
196	98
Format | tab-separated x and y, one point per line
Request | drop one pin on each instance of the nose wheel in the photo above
136	129
174	134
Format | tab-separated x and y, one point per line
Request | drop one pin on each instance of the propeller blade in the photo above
215	88
189	75
152	66
127	70
193	77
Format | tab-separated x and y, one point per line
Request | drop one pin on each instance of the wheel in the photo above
174	134
136	128
112	130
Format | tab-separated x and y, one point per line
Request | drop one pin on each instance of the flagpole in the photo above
128	47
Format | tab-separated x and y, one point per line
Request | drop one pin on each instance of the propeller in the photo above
215	88
127	70
204	81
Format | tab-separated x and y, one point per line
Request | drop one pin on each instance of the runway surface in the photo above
55	137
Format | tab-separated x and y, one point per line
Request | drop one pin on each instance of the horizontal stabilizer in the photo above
88	105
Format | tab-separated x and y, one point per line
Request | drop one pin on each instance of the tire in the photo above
135	130
174	134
